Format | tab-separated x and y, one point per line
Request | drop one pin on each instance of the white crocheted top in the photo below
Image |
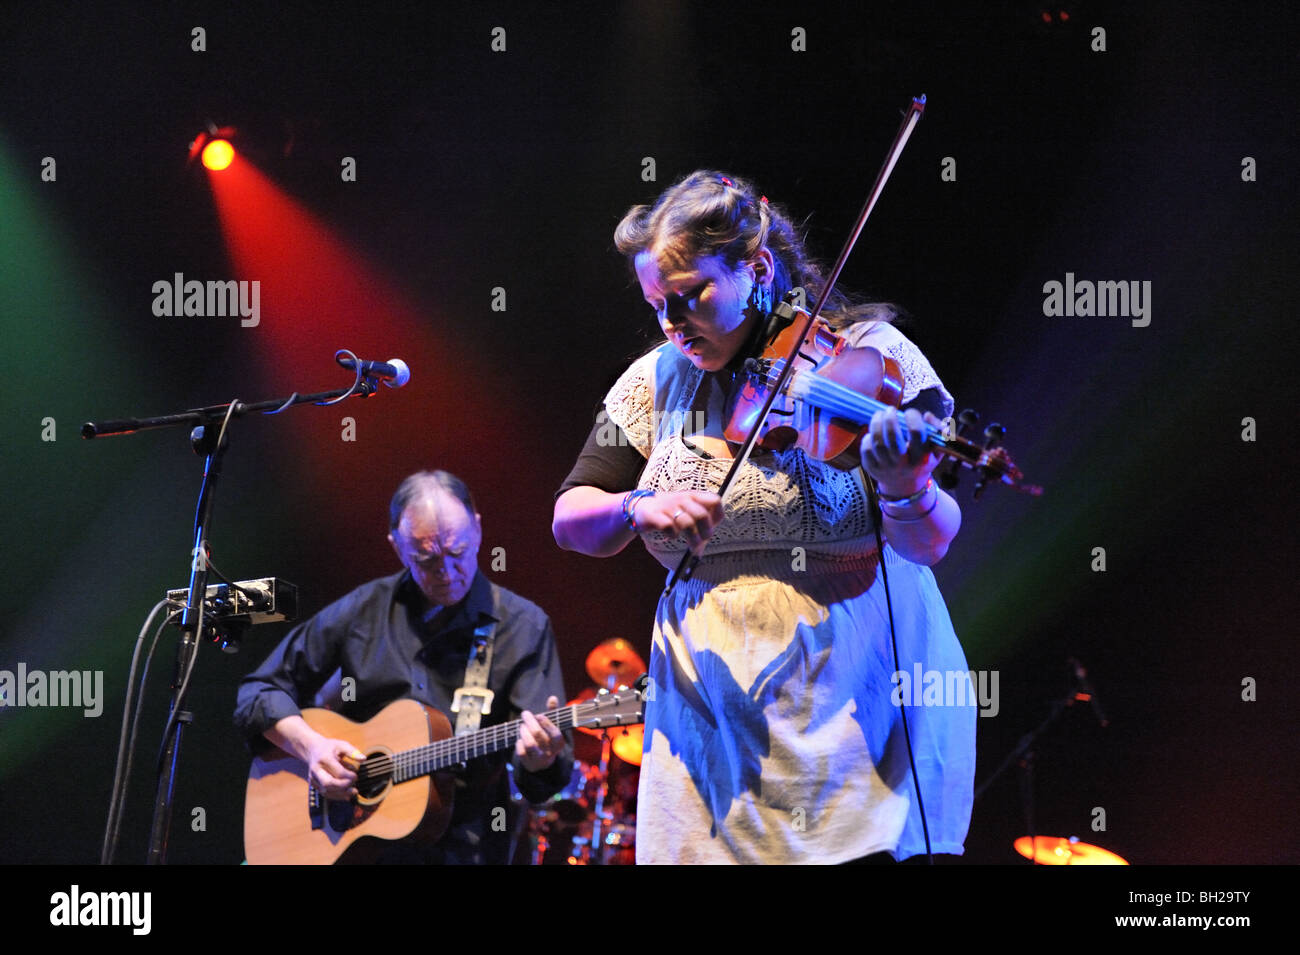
779	499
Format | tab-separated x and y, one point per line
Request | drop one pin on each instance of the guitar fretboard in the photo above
444	753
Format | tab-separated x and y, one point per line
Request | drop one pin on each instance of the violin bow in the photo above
691	558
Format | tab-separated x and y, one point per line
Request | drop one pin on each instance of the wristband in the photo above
629	507
909	499
919	517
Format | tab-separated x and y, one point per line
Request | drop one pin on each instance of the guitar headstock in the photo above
611	709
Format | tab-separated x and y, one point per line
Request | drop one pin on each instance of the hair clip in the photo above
726	181
763	199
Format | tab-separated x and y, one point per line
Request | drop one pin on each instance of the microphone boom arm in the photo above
203	416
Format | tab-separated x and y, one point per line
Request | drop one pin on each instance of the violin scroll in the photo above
991	462
829	395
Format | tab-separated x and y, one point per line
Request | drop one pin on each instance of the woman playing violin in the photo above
774	734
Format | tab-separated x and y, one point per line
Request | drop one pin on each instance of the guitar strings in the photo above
421	760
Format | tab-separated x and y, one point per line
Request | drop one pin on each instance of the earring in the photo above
760	298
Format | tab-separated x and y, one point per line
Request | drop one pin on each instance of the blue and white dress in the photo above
773	735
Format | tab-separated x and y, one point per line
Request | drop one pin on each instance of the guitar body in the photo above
287	822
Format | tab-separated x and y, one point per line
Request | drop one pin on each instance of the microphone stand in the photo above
1025	755
236	409
213	447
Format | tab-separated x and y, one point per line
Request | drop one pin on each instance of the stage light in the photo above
218	154
1061	16
213	147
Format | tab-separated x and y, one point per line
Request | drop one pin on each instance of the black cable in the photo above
170	726
253	595
288	403
293	398
355	385
893	639
125	746
172	717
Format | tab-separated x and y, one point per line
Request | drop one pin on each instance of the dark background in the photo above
478	169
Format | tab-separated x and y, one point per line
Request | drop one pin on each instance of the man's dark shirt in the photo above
383	636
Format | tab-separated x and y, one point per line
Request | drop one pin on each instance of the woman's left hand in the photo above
899	459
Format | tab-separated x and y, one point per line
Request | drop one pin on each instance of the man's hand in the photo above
540	740
330	763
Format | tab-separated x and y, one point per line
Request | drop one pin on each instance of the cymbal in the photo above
1055	850
627	742
614	661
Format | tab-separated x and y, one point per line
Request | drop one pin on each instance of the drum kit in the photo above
592	821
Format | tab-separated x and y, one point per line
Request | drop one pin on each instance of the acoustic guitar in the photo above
403	789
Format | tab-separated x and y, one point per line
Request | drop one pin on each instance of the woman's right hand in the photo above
591	521
686	515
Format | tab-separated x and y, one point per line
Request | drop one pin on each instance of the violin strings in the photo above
844	401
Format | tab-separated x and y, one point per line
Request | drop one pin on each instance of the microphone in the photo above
1084	692
393	372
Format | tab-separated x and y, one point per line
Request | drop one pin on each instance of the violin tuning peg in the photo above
993	435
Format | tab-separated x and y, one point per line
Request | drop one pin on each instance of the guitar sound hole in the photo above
373	775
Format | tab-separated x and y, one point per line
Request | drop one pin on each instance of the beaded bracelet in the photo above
629	507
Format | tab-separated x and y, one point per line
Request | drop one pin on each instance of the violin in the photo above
830	396
826	406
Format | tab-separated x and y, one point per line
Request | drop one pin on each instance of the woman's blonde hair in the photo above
712	213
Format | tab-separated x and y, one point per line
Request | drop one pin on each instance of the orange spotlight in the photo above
218	154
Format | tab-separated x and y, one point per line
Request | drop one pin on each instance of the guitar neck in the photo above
445	753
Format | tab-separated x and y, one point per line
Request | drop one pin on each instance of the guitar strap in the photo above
472	700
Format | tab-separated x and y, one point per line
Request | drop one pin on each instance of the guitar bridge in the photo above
315	807
336	815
